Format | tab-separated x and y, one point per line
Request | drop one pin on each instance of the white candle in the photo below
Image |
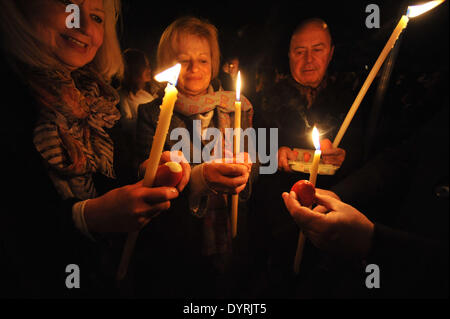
237	139
162	128
362	92
413	11
315	164
312	178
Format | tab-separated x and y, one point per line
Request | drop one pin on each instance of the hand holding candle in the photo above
331	155
162	128
237	139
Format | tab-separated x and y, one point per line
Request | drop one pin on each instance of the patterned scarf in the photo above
75	109
216	224
223	101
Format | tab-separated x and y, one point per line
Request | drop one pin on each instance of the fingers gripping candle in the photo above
162	128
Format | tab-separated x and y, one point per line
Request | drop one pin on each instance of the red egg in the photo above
306	157
305	191
168	174
326	144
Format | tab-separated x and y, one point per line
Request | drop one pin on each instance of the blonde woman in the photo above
199	228
60	207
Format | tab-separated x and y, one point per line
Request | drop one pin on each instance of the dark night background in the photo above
259	31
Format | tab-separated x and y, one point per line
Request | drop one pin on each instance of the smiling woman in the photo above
73	47
201	104
60	108
35	32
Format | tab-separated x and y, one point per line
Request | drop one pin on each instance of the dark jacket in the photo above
38	238
406	192
285	107
171	245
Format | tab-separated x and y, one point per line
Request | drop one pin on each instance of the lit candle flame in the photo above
238	86
170	75
414	11
316	138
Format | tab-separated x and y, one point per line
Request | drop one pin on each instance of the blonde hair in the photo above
168	44
108	60
21	42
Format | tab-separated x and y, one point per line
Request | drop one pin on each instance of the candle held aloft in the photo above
413	11
237	139
417	10
387	48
